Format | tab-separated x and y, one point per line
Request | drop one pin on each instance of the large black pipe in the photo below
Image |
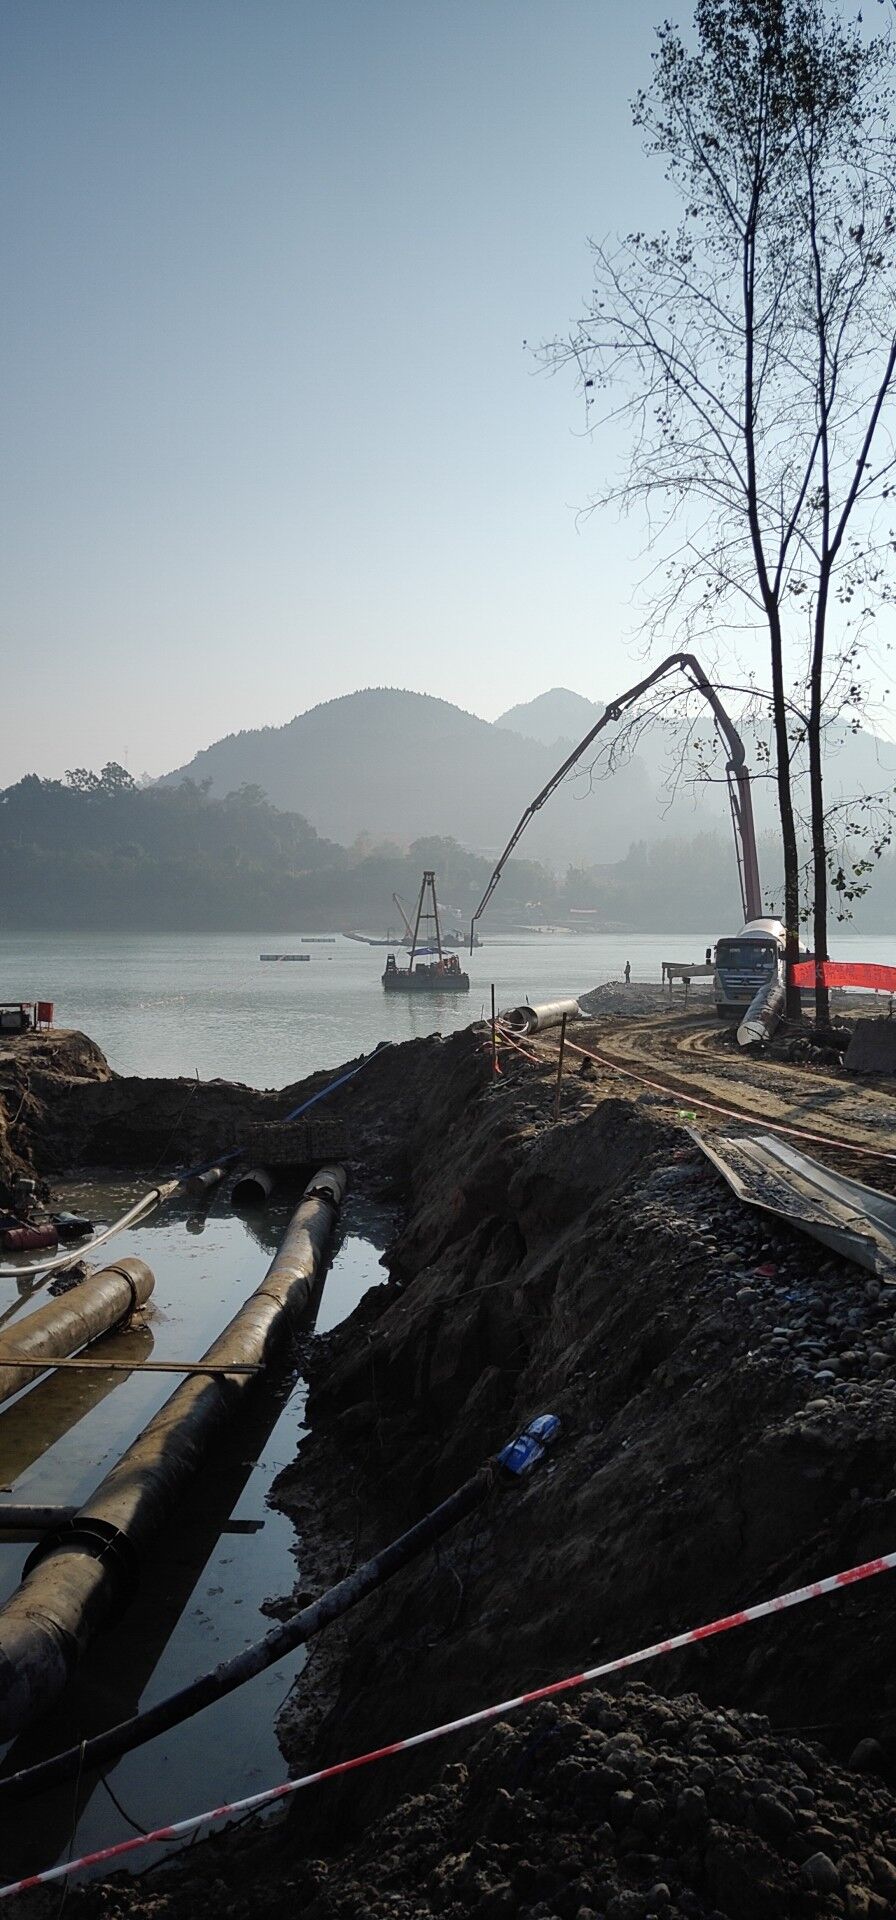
253	1660
75	1580
64	1326
38	1420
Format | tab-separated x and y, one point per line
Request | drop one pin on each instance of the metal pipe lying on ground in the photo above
534	1019
21	1519
75	1579
17	1518
61	1328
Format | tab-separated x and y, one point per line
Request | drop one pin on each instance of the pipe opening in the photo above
253	1188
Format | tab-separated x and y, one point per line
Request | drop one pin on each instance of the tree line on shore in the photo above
96	851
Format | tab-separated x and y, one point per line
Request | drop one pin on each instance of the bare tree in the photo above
751	353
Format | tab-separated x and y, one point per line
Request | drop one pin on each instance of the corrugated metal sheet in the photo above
858	1222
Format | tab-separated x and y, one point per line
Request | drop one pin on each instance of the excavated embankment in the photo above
728	1405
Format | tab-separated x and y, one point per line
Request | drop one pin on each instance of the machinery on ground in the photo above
745	962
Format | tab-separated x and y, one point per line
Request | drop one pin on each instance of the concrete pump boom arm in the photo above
735	769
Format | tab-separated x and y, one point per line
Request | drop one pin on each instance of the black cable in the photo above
122	1810
283	1639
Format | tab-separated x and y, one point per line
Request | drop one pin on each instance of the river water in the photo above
205	1004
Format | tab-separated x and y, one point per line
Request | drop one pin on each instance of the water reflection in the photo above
41	1415
203	1588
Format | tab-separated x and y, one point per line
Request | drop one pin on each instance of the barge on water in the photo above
434	971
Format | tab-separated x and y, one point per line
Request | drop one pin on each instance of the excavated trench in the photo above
727	1398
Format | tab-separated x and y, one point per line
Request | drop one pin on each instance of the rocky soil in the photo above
37	1070
727	1396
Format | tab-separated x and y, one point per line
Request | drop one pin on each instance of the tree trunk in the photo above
819	863
816	792
785	809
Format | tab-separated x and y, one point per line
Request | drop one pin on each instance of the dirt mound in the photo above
624	1809
615	997
604	1809
728	1407
34	1068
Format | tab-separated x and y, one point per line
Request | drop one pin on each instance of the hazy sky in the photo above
269	429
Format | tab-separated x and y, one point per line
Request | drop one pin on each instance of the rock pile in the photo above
626	1809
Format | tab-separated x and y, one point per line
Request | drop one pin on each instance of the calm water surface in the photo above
204	1003
202	1596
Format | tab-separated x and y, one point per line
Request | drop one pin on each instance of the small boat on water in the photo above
430	969
284	956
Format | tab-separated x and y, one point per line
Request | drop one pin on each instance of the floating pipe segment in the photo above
78	1577
96	1306
534	1019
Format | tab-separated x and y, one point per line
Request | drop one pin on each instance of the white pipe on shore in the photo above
551	1013
763	1014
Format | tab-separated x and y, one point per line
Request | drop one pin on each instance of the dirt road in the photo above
689	1053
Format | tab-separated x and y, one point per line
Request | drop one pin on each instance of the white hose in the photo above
154	1198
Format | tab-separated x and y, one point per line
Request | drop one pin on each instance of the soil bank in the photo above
728	1404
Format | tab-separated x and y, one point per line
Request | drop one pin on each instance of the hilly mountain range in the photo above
398	766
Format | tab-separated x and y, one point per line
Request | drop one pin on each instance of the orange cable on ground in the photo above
710	1106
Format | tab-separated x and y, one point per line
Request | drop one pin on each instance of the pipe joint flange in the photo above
127	1314
323	1193
99	1539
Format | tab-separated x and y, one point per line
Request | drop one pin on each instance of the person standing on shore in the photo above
628	972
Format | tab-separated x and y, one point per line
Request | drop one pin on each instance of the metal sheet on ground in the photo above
858	1222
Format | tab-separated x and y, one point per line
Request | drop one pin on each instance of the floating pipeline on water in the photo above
692	1636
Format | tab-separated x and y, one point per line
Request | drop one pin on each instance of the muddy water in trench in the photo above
224	1555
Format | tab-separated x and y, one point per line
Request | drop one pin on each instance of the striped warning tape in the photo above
178	1829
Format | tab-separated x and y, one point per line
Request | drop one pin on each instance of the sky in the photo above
271	432
270	428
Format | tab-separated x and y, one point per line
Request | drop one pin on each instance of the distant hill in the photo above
553	717
400	766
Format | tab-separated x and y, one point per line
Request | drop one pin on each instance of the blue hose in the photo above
236	1153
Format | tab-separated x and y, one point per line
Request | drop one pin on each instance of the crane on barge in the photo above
438	971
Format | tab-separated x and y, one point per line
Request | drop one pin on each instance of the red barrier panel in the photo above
844	973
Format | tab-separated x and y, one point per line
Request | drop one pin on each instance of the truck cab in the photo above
745	961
